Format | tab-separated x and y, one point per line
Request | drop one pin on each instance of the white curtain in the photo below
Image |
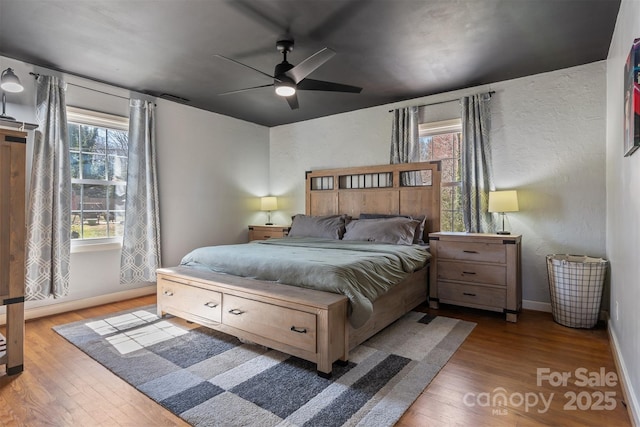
141	240
48	244
477	179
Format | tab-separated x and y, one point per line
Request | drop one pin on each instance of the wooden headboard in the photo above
402	189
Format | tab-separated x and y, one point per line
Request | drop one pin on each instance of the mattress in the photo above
362	271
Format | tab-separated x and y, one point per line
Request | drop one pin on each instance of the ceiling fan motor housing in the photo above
282	68
284	45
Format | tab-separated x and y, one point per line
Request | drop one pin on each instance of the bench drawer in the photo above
175	297
288	326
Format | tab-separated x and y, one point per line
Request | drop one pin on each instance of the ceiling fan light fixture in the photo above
285	88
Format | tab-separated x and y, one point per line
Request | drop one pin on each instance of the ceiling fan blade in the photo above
310	64
244	90
246	66
293	101
310	84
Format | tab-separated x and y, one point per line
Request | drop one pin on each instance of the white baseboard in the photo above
63	307
536	305
630	396
546	307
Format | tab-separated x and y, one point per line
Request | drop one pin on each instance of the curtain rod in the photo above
444	102
36	75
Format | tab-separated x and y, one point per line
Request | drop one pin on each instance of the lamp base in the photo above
5	117
268	223
504	232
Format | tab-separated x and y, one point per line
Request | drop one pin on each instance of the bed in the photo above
321	321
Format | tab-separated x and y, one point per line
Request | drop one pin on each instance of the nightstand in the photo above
263	232
476	270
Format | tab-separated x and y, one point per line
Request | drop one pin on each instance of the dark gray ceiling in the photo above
393	49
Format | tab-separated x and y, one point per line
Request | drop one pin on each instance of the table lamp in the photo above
269	203
501	202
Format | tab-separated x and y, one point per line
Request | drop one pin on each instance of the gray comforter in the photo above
361	271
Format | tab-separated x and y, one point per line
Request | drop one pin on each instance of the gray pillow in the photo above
417	237
397	230
329	227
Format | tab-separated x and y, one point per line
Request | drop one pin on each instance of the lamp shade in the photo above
269	203
503	201
10	82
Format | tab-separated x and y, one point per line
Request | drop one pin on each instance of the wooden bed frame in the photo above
309	324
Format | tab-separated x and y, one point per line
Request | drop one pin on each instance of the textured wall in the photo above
548	142
623	209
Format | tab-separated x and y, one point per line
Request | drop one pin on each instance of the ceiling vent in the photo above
174	98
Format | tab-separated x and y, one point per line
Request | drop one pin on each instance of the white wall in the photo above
548	143
211	170
623	208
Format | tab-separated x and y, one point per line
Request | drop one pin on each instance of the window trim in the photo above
443	126
96	118
96	245
85	116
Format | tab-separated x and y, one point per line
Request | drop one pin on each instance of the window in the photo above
442	141
98	148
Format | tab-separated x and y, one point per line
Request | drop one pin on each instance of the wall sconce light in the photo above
501	202
9	82
269	203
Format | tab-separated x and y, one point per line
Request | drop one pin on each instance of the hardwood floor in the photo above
508	355
62	386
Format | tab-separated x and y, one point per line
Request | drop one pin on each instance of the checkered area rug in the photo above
212	379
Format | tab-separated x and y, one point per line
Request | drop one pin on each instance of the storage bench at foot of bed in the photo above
302	322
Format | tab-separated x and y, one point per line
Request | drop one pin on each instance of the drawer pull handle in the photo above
236	311
470	252
210	304
299	330
168	293
468	272
469	294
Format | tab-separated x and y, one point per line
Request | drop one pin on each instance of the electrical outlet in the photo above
617	312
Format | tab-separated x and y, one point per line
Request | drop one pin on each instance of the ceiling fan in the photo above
288	79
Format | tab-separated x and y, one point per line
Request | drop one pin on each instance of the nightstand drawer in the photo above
266	234
472	251
471	272
472	295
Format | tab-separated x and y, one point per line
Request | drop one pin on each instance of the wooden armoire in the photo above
12	243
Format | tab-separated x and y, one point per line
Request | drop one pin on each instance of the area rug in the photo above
209	378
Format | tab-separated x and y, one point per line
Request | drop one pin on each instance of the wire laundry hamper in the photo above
575	284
